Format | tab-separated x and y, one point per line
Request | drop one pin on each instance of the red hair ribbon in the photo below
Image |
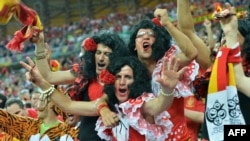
107	77
89	44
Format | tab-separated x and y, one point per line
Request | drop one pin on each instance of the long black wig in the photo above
87	65
162	38
114	42
141	79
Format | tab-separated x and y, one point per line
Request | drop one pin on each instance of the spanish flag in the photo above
25	15
222	107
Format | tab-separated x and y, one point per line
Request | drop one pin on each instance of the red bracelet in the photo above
100	106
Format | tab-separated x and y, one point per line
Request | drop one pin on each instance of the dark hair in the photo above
162	39
141	79
12	101
114	42
3	98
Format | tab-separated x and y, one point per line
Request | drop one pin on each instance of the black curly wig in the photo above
112	40
162	38
141	79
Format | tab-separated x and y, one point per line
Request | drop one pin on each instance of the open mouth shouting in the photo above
101	66
146	46
122	91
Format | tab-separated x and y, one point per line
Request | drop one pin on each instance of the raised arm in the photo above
208	25
186	25
189	52
61	100
42	54
168	79
230	29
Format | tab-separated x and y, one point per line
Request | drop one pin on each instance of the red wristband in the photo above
100	106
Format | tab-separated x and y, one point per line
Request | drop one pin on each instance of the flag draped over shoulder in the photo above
222	106
25	15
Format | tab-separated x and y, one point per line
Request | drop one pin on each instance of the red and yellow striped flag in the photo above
25	15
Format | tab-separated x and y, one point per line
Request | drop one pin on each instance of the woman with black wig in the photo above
100	51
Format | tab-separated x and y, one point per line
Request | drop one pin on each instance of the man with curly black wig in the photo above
100	51
140	112
127	85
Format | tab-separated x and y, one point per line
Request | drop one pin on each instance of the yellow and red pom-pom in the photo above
55	65
218	7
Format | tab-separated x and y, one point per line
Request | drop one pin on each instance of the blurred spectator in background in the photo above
16	106
35	97
24	95
46	127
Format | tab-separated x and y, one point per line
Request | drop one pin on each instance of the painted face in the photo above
15	109
102	57
143	43
123	79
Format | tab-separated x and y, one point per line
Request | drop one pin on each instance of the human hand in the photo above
170	74
32	73
37	36
109	118
162	16
229	23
